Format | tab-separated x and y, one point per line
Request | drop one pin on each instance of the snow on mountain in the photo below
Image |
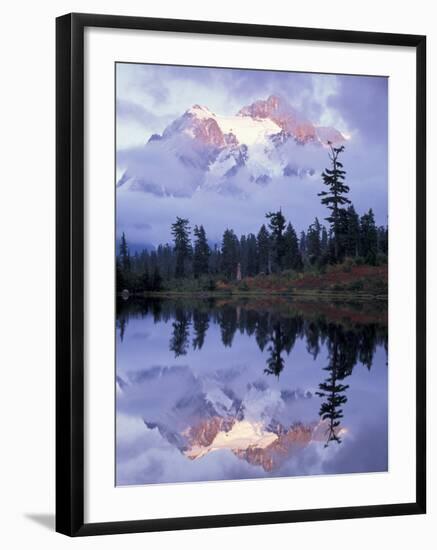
284	115
266	140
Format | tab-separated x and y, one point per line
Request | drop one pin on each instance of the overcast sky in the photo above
149	97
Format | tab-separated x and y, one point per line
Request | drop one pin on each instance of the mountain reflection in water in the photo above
212	389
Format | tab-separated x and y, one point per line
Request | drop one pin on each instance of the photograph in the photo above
223	341
251	272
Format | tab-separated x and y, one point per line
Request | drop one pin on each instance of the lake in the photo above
225	389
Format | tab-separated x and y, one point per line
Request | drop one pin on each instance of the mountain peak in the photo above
284	115
274	101
230	153
200	111
263	108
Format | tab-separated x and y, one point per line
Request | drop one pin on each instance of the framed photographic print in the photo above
240	274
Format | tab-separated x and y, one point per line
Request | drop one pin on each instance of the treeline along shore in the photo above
347	255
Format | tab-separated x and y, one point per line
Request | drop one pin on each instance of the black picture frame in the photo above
70	273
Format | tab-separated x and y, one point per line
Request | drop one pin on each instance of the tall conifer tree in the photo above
229	254
313	242
124	254
252	257
277	226
292	258
335	198
263	248
182	247
201	253
368	237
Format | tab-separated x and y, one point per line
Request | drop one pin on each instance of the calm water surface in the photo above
215	389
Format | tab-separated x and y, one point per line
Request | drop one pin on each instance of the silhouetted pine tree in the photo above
383	240
252	257
119	277
182	247
277	226
263	247
243	255
229	254
124	254
335	198
368	237
313	242
351	237
302	244
292	257
324	242
215	260
201	253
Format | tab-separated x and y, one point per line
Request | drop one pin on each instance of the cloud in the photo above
151	96
128	110
141	226
363	102
135	123
172	90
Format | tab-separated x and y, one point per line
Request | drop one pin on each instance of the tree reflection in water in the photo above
275	361
179	341
275	328
333	391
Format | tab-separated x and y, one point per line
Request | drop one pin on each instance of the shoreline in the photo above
299	294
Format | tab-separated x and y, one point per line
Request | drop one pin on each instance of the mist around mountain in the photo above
266	140
192	140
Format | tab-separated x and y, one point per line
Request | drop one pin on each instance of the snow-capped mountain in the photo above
266	140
